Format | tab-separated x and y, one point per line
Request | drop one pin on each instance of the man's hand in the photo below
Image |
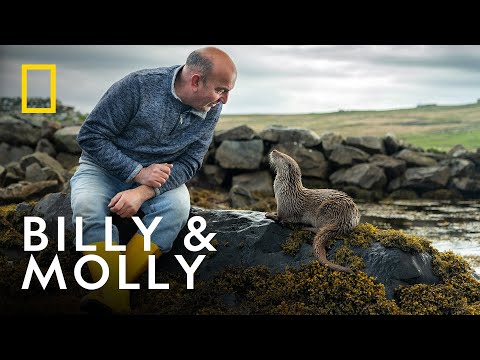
154	175
126	203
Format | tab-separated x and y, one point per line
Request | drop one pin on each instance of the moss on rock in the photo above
209	199
346	257
407	243
362	236
458	293
10	237
313	289
297	237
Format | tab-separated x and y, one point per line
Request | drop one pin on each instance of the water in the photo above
449	225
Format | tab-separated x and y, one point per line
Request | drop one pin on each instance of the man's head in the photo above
207	78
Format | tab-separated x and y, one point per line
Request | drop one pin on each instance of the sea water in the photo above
449	225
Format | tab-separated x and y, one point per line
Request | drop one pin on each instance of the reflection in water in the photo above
449	225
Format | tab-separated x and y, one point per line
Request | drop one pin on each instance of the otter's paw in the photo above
274	217
271	215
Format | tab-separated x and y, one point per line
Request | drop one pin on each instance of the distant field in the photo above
439	127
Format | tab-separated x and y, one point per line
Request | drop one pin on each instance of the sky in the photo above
272	79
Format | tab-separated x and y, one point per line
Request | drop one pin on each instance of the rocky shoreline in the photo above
259	267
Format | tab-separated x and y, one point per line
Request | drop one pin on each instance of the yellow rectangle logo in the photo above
53	88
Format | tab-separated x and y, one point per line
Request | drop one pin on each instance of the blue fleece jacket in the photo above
140	121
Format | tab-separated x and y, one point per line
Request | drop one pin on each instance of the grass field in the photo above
439	127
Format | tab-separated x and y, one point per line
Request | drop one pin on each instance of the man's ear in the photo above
195	80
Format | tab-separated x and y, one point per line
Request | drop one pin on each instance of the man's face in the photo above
213	91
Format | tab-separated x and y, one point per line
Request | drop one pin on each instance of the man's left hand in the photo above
126	203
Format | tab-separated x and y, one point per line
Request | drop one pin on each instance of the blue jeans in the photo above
93	188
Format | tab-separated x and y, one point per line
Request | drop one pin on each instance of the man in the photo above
142	142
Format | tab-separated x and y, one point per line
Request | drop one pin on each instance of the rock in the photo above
312	162
49	128
457	151
366	176
393	167
260	182
414	158
284	134
245	155
467	186
392	145
369	144
426	178
18	132
34	173
68	161
347	156
10	153
240	197
14	174
66	139
44	160
394	267
46	146
247	238
242	132
361	194
22	191
214	174
330	141
459	167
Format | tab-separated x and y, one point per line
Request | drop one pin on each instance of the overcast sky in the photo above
278	79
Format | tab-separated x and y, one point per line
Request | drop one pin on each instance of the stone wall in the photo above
367	167
39	152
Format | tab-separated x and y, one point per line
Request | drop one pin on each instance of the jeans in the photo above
93	188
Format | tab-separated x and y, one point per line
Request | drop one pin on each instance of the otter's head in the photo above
284	165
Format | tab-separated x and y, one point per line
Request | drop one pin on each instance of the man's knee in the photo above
175	203
182	211
87	206
174	208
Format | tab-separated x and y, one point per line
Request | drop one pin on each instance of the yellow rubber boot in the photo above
109	298
137	258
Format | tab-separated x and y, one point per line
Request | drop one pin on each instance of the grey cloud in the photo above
460	57
270	78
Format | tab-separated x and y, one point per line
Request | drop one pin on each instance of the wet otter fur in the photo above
326	212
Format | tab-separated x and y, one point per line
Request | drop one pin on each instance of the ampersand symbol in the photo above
197	232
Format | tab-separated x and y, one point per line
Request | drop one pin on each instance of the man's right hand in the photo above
154	175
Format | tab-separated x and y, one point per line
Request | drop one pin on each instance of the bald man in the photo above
146	137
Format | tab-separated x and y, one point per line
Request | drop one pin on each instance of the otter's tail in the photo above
319	243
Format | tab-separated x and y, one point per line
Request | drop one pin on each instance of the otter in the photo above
326	212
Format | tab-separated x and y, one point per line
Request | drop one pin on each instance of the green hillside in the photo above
432	126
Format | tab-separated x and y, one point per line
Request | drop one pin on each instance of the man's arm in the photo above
107	120
185	167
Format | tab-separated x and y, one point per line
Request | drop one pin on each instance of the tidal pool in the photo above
449	225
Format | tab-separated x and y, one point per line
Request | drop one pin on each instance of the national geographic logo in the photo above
53	88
